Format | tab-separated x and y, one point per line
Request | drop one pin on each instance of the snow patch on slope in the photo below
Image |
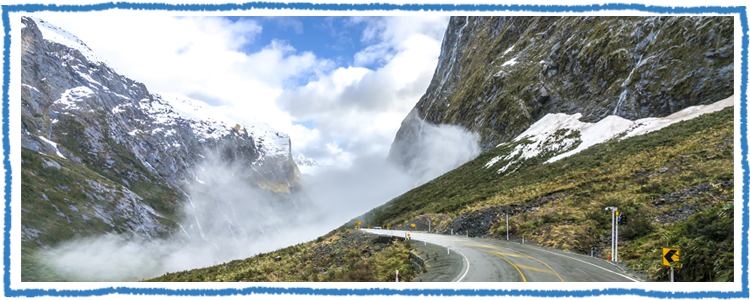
511	62
541	136
53	145
612	126
69	97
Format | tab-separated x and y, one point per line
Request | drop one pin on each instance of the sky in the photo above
339	86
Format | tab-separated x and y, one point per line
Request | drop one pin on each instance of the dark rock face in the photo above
498	75
479	222
681	211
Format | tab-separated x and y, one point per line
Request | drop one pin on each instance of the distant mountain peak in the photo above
301	160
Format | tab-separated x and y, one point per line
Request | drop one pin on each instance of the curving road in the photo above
486	260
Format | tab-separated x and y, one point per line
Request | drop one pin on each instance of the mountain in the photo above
673	186
103	154
497	76
301	160
308	166
576	114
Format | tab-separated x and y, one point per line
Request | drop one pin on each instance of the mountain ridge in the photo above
498	75
104	155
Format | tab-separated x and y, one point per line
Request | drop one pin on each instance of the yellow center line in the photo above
475	245
500	254
533	269
519	271
506	254
553	270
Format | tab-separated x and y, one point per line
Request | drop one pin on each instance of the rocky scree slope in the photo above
102	154
499	75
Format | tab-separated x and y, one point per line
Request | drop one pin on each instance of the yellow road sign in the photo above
413	225
670	257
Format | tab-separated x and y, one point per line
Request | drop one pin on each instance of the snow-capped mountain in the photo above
301	160
307	166
124	154
557	136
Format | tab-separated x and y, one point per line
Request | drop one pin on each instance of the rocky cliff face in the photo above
499	75
103	154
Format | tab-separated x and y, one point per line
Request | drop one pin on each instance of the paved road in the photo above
487	260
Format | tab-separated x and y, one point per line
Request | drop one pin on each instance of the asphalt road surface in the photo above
487	260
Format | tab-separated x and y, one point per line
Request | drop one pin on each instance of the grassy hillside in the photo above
674	188
62	200
342	255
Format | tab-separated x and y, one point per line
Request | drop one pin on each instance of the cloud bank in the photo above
228	217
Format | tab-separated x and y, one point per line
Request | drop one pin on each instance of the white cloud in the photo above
358	108
367	106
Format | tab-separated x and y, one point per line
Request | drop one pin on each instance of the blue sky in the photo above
334	38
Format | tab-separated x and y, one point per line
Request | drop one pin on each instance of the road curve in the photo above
488	260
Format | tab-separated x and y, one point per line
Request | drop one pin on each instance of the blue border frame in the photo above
10	183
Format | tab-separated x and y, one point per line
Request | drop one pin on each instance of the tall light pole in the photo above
613	251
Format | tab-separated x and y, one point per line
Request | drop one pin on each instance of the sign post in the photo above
670	257
617	225
415	227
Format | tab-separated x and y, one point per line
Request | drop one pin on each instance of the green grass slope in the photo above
344	255
691	161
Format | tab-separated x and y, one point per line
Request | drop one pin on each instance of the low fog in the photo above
227	217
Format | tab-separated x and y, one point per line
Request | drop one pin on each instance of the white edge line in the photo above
459	252
589	264
467	265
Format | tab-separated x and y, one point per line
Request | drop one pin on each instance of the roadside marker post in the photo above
396	275
506	229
